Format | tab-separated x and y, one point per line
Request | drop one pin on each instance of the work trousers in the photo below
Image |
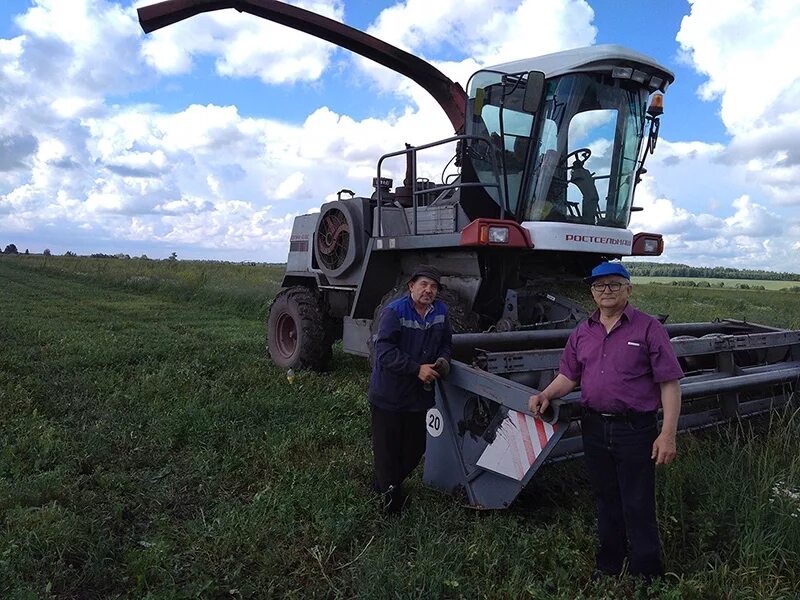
617	451
398	443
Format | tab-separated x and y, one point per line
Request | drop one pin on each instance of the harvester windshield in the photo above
577	162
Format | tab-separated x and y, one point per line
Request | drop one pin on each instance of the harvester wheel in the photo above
296	334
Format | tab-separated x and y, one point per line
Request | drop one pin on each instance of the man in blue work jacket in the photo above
412	350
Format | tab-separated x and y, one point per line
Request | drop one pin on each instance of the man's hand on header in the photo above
427	373
538	403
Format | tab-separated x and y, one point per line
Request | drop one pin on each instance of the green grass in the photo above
686	304
150	450
245	287
730	284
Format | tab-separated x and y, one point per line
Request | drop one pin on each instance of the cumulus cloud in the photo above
66	47
83	157
751	235
243	46
486	32
481	33
15	149
73	165
743	50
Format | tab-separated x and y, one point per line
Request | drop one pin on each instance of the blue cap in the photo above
608	268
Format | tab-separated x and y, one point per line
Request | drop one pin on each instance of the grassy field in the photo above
150	450
729	283
687	304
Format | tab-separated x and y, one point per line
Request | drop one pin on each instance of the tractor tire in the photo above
296	331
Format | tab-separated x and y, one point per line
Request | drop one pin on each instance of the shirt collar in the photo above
414	307
627	312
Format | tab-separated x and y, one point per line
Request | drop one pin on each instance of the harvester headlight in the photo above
651	246
647	244
498	235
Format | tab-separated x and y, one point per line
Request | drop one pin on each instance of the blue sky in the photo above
208	137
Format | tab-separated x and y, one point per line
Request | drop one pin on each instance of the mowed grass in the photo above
247	288
150	450
687	304
769	284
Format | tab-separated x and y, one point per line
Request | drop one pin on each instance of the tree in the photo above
46	252
11	249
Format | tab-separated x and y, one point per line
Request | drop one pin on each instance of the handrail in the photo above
412	150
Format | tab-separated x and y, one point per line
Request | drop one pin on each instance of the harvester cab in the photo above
549	151
556	142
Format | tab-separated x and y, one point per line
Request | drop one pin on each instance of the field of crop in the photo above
728	283
150	450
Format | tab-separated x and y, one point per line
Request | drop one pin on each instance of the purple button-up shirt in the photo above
621	370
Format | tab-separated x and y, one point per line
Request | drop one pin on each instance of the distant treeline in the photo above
721	284
647	269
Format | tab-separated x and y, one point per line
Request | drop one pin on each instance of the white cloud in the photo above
744	51
205	174
289	186
491	32
243	46
79	160
753	220
66	46
750	236
483	32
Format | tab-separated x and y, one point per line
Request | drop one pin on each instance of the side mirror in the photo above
533	92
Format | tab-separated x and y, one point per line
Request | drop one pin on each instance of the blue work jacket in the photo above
406	340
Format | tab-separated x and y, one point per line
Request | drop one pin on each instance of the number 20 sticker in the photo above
434	422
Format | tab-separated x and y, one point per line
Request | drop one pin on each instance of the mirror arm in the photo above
652	138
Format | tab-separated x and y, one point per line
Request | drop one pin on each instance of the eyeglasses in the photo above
612	287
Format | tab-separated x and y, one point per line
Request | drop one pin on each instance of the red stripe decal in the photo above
526	438
542	433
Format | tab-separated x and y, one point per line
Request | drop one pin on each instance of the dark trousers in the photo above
398	443
617	452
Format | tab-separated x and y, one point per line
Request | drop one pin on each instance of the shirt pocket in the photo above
633	359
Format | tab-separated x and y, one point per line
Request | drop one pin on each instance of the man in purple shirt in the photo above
626	367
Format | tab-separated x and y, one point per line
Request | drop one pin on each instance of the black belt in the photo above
620	416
